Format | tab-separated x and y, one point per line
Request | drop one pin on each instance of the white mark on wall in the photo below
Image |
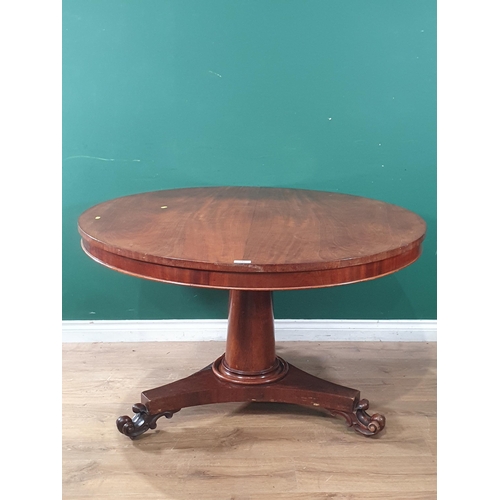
96	158
214	73
329	119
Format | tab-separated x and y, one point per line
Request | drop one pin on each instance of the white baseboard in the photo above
215	330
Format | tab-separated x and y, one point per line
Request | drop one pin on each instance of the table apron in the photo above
252	280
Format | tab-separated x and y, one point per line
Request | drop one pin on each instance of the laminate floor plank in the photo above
249	451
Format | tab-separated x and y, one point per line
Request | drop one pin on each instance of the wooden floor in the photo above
252	451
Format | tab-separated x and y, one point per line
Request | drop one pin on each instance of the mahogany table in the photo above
251	241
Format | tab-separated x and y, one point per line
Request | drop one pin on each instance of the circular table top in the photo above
251	238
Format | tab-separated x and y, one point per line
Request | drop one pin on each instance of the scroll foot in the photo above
141	422
361	421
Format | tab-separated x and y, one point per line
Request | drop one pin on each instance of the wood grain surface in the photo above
249	451
251	238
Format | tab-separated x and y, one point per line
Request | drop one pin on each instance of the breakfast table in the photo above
251	241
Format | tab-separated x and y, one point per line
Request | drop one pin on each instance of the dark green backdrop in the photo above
325	94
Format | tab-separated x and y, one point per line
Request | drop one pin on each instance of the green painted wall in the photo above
325	94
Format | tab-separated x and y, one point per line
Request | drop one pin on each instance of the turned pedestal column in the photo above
250	356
